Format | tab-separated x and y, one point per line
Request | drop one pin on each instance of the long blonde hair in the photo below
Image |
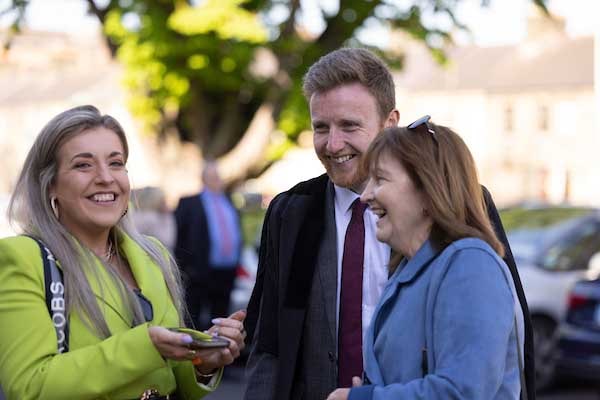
30	209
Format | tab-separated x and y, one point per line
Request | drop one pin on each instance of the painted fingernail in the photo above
197	361
215	332
216	321
187	339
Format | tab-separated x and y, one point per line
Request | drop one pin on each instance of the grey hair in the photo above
30	210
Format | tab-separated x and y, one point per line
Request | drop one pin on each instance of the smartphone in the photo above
202	340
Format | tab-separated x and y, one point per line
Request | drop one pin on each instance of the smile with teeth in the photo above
380	213
342	159
103	197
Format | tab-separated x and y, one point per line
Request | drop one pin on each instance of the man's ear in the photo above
392	119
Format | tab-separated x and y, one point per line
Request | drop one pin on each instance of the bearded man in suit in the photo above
305	324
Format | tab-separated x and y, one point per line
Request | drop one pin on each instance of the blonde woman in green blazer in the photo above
122	290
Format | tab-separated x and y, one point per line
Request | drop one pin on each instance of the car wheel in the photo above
544	343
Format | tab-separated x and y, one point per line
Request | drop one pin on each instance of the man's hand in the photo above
342	394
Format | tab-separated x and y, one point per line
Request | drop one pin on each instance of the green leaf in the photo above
223	17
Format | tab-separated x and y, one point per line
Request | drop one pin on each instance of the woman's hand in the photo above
231	328
171	345
342	394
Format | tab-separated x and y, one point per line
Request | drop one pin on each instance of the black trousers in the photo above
209	298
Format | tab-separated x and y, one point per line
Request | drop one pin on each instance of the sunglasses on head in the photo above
423	122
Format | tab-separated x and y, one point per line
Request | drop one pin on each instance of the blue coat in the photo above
458	312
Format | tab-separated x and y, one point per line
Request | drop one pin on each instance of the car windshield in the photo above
531	230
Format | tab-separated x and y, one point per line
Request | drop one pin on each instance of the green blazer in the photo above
120	367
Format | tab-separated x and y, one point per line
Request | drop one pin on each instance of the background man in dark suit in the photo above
208	247
297	313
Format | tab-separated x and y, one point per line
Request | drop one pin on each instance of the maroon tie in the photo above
350	328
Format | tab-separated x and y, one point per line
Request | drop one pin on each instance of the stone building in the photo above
529	112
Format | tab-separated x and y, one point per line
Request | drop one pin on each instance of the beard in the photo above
353	179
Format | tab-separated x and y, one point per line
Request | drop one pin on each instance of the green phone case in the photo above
203	340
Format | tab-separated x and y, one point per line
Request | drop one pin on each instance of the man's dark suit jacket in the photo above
192	247
292	357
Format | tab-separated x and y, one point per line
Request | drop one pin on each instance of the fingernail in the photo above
197	361
215	332
216	321
187	339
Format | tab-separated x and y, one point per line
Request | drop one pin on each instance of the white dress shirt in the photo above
376	255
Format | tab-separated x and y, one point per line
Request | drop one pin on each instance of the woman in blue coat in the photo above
449	324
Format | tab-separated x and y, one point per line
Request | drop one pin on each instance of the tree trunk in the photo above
250	150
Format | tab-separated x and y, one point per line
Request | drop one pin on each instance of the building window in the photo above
543	119
508	118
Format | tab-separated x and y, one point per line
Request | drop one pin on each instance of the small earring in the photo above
54	206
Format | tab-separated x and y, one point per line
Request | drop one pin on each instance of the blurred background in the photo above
189	80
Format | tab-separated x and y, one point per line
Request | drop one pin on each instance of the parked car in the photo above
579	335
552	248
252	220
244	280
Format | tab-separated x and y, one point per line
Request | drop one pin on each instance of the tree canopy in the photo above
226	74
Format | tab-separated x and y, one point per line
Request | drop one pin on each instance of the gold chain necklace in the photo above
106	257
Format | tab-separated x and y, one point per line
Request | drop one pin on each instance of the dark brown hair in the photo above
351	65
443	168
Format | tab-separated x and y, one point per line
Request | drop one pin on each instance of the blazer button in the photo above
331	356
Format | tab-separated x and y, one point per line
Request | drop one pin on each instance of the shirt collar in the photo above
344	198
211	193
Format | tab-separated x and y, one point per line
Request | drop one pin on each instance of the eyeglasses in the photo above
145	305
423	121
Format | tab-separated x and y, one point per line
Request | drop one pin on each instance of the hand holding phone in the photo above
202	340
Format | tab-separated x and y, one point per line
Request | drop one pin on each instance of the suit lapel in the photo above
408	270
327	263
302	231
300	236
148	277
107	295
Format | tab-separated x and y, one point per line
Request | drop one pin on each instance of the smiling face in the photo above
399	204
91	186
345	120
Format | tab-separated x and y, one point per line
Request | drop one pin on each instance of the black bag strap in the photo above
55	297
521	368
